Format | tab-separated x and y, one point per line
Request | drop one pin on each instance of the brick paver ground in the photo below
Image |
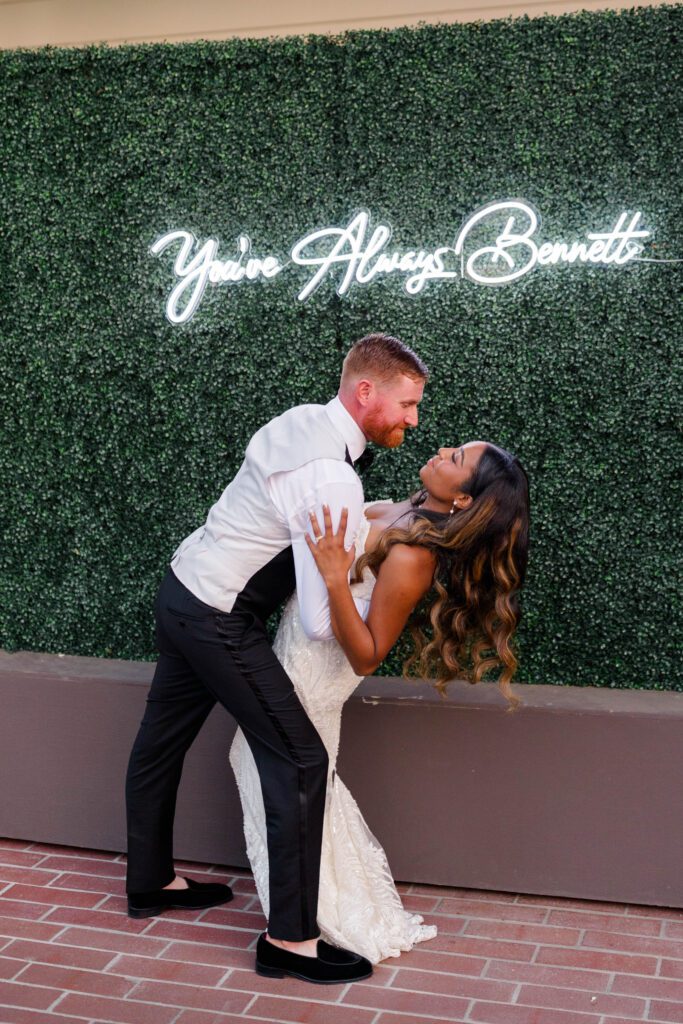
70	955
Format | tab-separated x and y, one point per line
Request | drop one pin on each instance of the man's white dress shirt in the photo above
240	557
297	493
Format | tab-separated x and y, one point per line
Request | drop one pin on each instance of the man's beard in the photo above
381	433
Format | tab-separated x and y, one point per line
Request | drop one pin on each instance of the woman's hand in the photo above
331	557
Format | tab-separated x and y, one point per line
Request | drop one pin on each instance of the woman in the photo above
453	556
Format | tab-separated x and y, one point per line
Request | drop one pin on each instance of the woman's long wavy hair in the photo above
481	554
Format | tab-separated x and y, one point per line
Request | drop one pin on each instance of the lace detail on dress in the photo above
359	906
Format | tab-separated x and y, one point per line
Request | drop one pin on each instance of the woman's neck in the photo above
431	504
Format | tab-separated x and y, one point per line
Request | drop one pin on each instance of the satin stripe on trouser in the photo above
208	656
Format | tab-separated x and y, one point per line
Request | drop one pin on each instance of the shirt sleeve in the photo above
296	494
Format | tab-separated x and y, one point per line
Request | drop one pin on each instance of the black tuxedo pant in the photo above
205	656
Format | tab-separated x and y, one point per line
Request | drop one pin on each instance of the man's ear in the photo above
365	391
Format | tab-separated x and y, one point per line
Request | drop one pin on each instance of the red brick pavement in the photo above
70	955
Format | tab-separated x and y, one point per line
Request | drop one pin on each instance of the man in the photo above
224	582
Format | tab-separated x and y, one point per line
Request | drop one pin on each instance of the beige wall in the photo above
77	23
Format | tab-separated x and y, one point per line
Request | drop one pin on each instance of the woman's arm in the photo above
404	577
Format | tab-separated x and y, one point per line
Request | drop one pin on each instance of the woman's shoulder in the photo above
409	563
406	555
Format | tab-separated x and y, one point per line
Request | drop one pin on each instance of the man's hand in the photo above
331	557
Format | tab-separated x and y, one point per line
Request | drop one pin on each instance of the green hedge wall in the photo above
120	430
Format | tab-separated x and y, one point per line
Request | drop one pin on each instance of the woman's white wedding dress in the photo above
359	907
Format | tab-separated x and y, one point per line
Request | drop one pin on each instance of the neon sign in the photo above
495	246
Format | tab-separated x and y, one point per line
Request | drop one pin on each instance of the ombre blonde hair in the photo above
473	610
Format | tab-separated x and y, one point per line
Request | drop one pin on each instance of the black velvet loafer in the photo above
332	966
197	896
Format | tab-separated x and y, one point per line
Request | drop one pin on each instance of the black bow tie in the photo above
363	462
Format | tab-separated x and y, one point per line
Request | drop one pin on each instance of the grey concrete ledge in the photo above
381	689
577	794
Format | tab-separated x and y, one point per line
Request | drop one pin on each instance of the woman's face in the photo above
445	474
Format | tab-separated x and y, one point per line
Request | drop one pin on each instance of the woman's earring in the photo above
453	507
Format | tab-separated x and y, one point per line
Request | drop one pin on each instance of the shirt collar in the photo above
348	428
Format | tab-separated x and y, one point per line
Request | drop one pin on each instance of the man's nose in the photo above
411	417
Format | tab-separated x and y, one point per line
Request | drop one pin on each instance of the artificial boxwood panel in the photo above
120	429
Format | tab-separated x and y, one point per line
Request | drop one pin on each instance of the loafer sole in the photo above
280	972
139	912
